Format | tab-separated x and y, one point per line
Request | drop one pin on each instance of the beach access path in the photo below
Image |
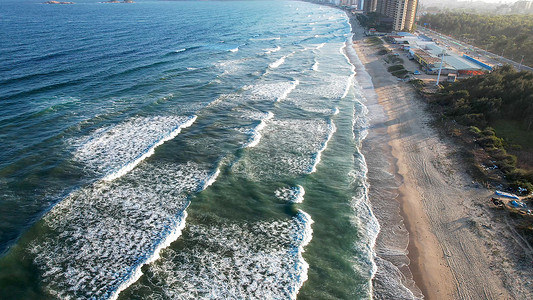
453	247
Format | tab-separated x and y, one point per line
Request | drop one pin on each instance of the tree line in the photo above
479	102
510	35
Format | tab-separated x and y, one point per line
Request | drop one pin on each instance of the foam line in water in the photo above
173	236
236	49
304	239
269	91
272	50
227	260
277	63
291	88
315	66
367	221
256	132
100	236
351	78
266	39
288	146
331	130
150	151
280	61
210	180
114	150
180	50
291	194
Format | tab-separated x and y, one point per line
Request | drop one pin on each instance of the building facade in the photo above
402	12
370	5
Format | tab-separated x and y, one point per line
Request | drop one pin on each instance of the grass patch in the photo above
374	41
383	51
514	133
400	73
394	59
417	83
395	68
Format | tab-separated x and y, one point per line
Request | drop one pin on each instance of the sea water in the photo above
181	150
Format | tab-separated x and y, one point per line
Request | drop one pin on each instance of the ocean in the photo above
182	150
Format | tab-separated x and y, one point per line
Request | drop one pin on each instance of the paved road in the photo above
462	47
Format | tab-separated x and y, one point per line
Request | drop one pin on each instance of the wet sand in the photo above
433	206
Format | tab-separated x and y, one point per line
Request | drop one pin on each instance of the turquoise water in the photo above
181	150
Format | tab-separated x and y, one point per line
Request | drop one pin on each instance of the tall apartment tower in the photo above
402	12
370	5
410	15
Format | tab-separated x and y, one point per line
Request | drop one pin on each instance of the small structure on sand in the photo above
511	203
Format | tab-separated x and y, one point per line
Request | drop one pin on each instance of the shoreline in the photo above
438	239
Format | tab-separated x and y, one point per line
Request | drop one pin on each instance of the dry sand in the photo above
455	249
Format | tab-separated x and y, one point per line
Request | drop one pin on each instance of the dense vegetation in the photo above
511	35
373	20
480	102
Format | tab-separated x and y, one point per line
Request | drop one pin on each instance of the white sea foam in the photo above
330	86
286	93
288	147
180	50
259	260
272	50
173	236
291	194
350	80
366	220
234	49
315	66
255	133
331	130
230	66
150	151
116	150
277	63
274	91
210	180
280	61
305	238
266	39
100	236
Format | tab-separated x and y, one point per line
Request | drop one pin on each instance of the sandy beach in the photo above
437	228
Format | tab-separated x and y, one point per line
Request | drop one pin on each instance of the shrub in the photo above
400	73
394	59
489	131
395	68
476	132
374	41
522	184
418	83
490	141
471	119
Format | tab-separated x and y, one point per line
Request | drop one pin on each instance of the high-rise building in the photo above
402	12
370	5
522	6
410	15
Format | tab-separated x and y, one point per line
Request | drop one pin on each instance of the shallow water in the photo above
182	150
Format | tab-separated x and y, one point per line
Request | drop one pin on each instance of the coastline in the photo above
437	239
